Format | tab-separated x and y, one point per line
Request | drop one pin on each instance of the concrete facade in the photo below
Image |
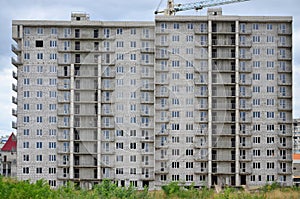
296	152
203	99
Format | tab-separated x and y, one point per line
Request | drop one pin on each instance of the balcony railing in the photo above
16	61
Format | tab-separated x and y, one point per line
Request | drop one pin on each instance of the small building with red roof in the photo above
9	157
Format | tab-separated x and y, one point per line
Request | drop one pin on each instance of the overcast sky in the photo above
101	10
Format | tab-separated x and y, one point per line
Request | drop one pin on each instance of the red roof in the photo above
11	144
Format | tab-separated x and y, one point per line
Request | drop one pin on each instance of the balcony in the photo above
78	164
284	94
200	158
223	93
245	171
15	49
163	44
223	106
223	68
109	75
14	112
110	176
245	94
284	57
203	106
200	132
147	176
146	113
162	171
285	133
284	145
108	151
284	44
146	125
198	119
200	82
223	28
162	56
223	158
287	31
247	81
108	88
161	94
246	145
284	171
247	30
159	145
106	112
149	151
246	106
16	61
286	106
14	125
107	126
149	100
223	55
223	42
200	145
201	94
245	158
15	75
285	82
161	107
148	87
14	100
14	87
245	69
147	139
285	68
162	82
285	158
223	144
147	50
200	170
200	69
224	118
202	30
247	43
224	133
245	56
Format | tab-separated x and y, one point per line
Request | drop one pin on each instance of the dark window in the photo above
77	33
77	58
96	33
38	43
77	45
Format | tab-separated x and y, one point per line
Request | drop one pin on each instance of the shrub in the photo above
171	189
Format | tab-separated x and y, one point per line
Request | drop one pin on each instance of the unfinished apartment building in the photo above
195	99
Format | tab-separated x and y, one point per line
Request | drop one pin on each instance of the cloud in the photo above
5	101
296	96
296	47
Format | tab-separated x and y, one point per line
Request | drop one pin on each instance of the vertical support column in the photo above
209	53
237	104
99	119
71	121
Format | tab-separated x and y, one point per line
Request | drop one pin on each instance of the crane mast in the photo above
172	8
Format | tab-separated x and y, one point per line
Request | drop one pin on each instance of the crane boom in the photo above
173	8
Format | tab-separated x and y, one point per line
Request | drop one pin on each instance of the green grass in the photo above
13	189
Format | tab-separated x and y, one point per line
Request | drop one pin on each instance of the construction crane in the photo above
172	8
